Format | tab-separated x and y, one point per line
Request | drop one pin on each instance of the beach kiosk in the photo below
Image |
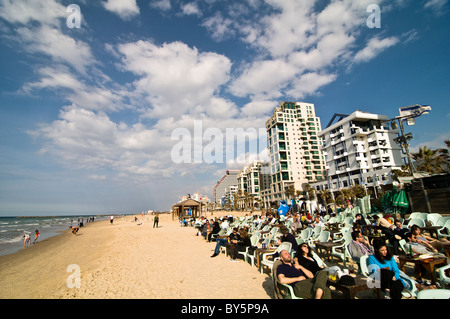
188	208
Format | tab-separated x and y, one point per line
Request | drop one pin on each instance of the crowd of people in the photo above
299	269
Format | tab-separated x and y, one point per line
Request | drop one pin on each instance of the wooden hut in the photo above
181	209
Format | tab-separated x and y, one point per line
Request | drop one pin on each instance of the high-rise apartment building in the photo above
295	149
252	179
359	149
222	186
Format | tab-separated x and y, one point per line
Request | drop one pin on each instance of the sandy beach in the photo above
127	260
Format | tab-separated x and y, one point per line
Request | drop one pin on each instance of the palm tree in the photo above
429	160
326	197
290	192
444	154
247	199
358	191
311	195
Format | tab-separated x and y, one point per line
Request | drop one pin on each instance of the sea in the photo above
13	229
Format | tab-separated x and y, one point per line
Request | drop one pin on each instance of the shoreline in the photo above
130	261
46	230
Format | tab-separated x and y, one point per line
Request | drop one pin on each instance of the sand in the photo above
129	261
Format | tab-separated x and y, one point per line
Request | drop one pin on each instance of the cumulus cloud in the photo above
91	140
45	11
295	48
60	47
163	5
309	84
125	9
174	78
264	78
374	47
299	45
191	9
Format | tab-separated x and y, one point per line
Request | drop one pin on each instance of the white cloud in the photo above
73	89
174	78
437	6
125	9
88	140
258	108
264	79
26	11
374	47
163	5
309	84
294	39
191	9
220	28
60	47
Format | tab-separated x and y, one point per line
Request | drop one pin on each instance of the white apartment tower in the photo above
252	179
295	149
359	149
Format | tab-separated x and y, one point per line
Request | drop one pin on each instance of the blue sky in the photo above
87	114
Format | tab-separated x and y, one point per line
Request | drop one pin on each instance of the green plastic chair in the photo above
408	293
444	231
402	244
433	218
288	290
419	215
269	263
416	221
324	236
443	278
343	254
434	294
254	241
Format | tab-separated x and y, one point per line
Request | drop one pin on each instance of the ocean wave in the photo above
11	240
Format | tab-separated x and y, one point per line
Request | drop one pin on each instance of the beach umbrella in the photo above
400	202
388	199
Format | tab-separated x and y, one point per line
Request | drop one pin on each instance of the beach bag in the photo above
347	280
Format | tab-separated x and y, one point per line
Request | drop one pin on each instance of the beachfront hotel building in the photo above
252	179
359	149
222	188
296	157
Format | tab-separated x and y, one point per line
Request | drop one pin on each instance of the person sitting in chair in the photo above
359	246
302	280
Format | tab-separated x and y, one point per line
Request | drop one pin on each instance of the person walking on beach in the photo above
156	221
36	236
111	219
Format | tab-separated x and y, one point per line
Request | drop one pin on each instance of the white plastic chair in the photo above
344	254
433	218
254	241
288	288
416	221
434	294
269	263
443	278
411	292
324	236
445	230
419	215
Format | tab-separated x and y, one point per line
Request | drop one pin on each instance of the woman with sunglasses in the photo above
304	257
